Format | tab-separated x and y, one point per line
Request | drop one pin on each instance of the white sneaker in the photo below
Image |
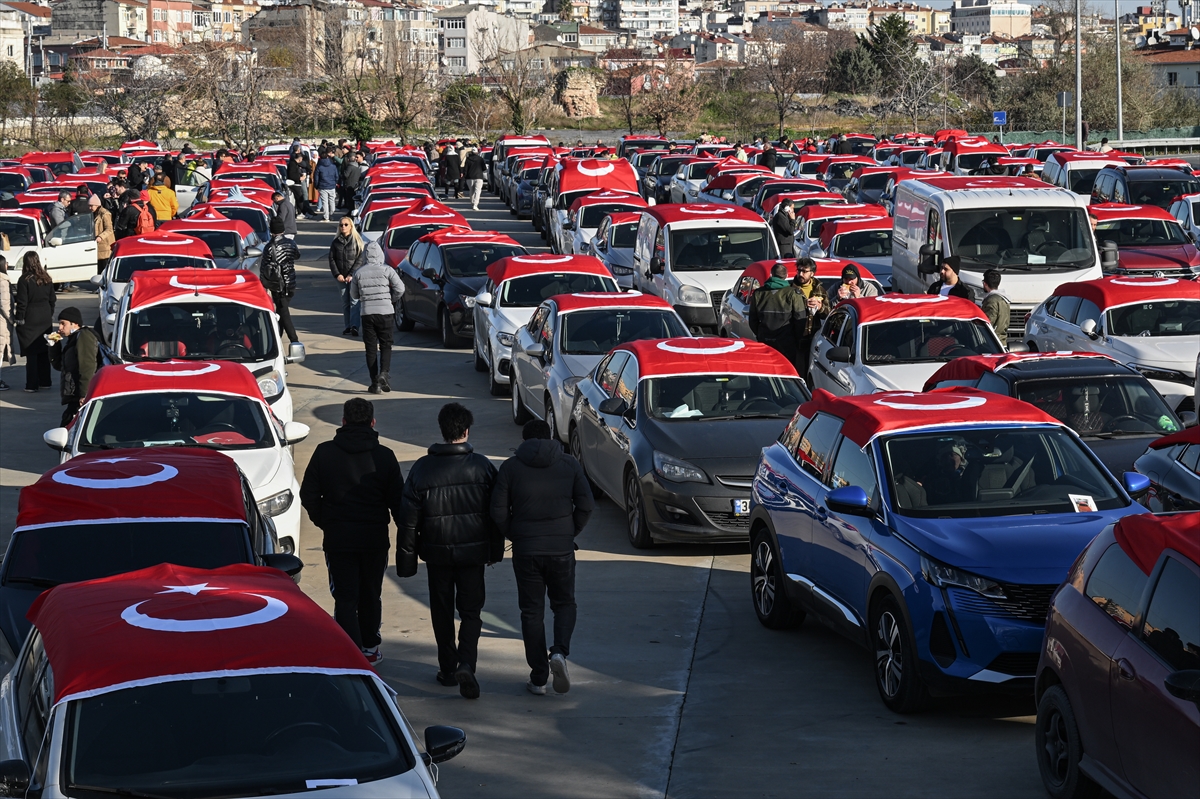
558	668
536	690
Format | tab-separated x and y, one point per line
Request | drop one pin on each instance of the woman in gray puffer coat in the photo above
378	289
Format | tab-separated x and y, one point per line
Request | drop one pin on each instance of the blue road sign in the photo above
999	117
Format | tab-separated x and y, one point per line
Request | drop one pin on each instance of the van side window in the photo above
853	467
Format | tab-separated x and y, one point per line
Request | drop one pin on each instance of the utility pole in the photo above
1079	142
1117	38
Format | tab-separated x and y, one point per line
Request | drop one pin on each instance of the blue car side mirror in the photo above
851	500
1136	484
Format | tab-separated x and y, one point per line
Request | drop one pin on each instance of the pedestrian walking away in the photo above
76	354
34	319
816	299
163	201
277	271
327	183
948	284
285	212
768	158
102	224
298	176
8	355
995	304
541	502
352	486
378	290
453	172
347	246
473	170
778	314
445	520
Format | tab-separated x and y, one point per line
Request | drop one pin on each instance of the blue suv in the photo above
930	528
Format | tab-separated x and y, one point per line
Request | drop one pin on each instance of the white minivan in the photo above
690	255
1037	236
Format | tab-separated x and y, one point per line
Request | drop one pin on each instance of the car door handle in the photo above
822	514
1126	670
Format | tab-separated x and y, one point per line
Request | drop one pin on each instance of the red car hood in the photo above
1174	256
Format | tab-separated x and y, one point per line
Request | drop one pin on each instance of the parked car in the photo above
1111	406
613	245
811	219
685	184
1118	681
567	336
585	215
277	697
1150	323
1173	465
1076	170
768	189
1154	185
68	252
258	217
1143	239
865	241
672	430
410	224
932	529
657	180
1187	210
232	243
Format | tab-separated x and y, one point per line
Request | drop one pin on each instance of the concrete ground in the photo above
677	690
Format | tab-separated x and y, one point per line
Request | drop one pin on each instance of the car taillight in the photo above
1027	317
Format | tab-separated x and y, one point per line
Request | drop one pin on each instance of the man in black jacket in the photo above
453	171
541	501
783	225
277	271
445	520
948	285
473	173
351	485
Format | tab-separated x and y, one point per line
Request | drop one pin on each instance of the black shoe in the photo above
346	332
468	686
383	382
354	332
447	680
3	386
374	389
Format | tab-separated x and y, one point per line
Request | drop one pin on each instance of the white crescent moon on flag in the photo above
913	300
707	211
141	370
597	171
165	472
269	612
965	402
734	347
191	287
1164	281
562	259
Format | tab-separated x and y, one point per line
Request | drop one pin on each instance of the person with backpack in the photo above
135	217
75	353
277	271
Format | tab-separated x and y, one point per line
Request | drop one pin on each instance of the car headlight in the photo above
271	384
468	301
677	471
690	295
570	384
693	192
944	576
506	339
1157	373
276	504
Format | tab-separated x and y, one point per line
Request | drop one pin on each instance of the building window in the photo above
228	17
537	63
570	37
158	37
1172	78
458	61
459	42
177	15
456	24
158	15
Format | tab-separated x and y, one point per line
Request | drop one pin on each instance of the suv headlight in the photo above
468	301
677	471
690	295
944	576
271	384
570	385
1156	373
276	504
506	339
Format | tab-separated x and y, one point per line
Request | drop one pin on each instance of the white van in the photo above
690	255
1037	236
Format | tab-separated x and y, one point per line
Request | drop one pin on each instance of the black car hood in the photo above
14	604
697	440
1119	452
463	286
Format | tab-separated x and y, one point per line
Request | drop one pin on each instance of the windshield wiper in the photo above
43	582
119	791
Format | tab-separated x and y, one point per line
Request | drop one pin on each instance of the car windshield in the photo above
624	236
645	159
783	158
876	181
1020	239
697	171
220	421
911	157
1161	192
590	215
402	238
1102	405
702	249
257	220
1007	471
1082	180
472	260
926	340
47	556
245	735
378	221
1043	153
1140	232
20	232
841	171
222	243
12	182
723	396
567	198
529	291
225	330
1162	318
124	268
666	166
863	244
972	161
597	332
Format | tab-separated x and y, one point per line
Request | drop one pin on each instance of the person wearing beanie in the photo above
277	271
853	285
281	203
778	313
948	285
74	351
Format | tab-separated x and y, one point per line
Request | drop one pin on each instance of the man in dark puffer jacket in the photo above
351	485
541	501
445	521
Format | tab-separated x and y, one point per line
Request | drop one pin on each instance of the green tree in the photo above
975	80
890	45
852	71
16	95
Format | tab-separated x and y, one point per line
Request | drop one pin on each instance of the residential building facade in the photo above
982	17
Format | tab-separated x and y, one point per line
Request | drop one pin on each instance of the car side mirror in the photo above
839	355
1018	346
295	432
657	265
568	225
14	777
253	252
296	353
284	561
56	439
1135	484
614	406
443	743
537	350
96	280
851	500
1108	255
55	242
484	298
1188	418
1183	684
429	274
1088	328
930	260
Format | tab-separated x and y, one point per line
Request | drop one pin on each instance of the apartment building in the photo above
981	17
466	32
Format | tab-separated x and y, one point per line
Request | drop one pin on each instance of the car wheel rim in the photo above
634	511
516	402
1056	746
550	419
763	578
889	654
576	446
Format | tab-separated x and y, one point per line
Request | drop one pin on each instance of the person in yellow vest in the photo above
163	201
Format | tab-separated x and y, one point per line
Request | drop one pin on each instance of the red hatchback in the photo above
1118	682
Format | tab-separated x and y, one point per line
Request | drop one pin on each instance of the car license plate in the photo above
741	507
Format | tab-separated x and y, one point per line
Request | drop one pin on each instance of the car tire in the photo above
1059	749
550	420
576	445
480	363
404	322
635	513
519	415
450	339
896	671
495	387
772	605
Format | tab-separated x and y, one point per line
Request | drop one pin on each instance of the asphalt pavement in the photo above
676	688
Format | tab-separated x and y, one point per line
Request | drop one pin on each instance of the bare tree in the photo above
787	62
233	95
623	86
406	79
917	86
467	106
516	72
137	102
670	98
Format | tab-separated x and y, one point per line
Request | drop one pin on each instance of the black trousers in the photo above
458	587
37	365
804	346
539	576
377	335
301	198
356	582
69	410
285	314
